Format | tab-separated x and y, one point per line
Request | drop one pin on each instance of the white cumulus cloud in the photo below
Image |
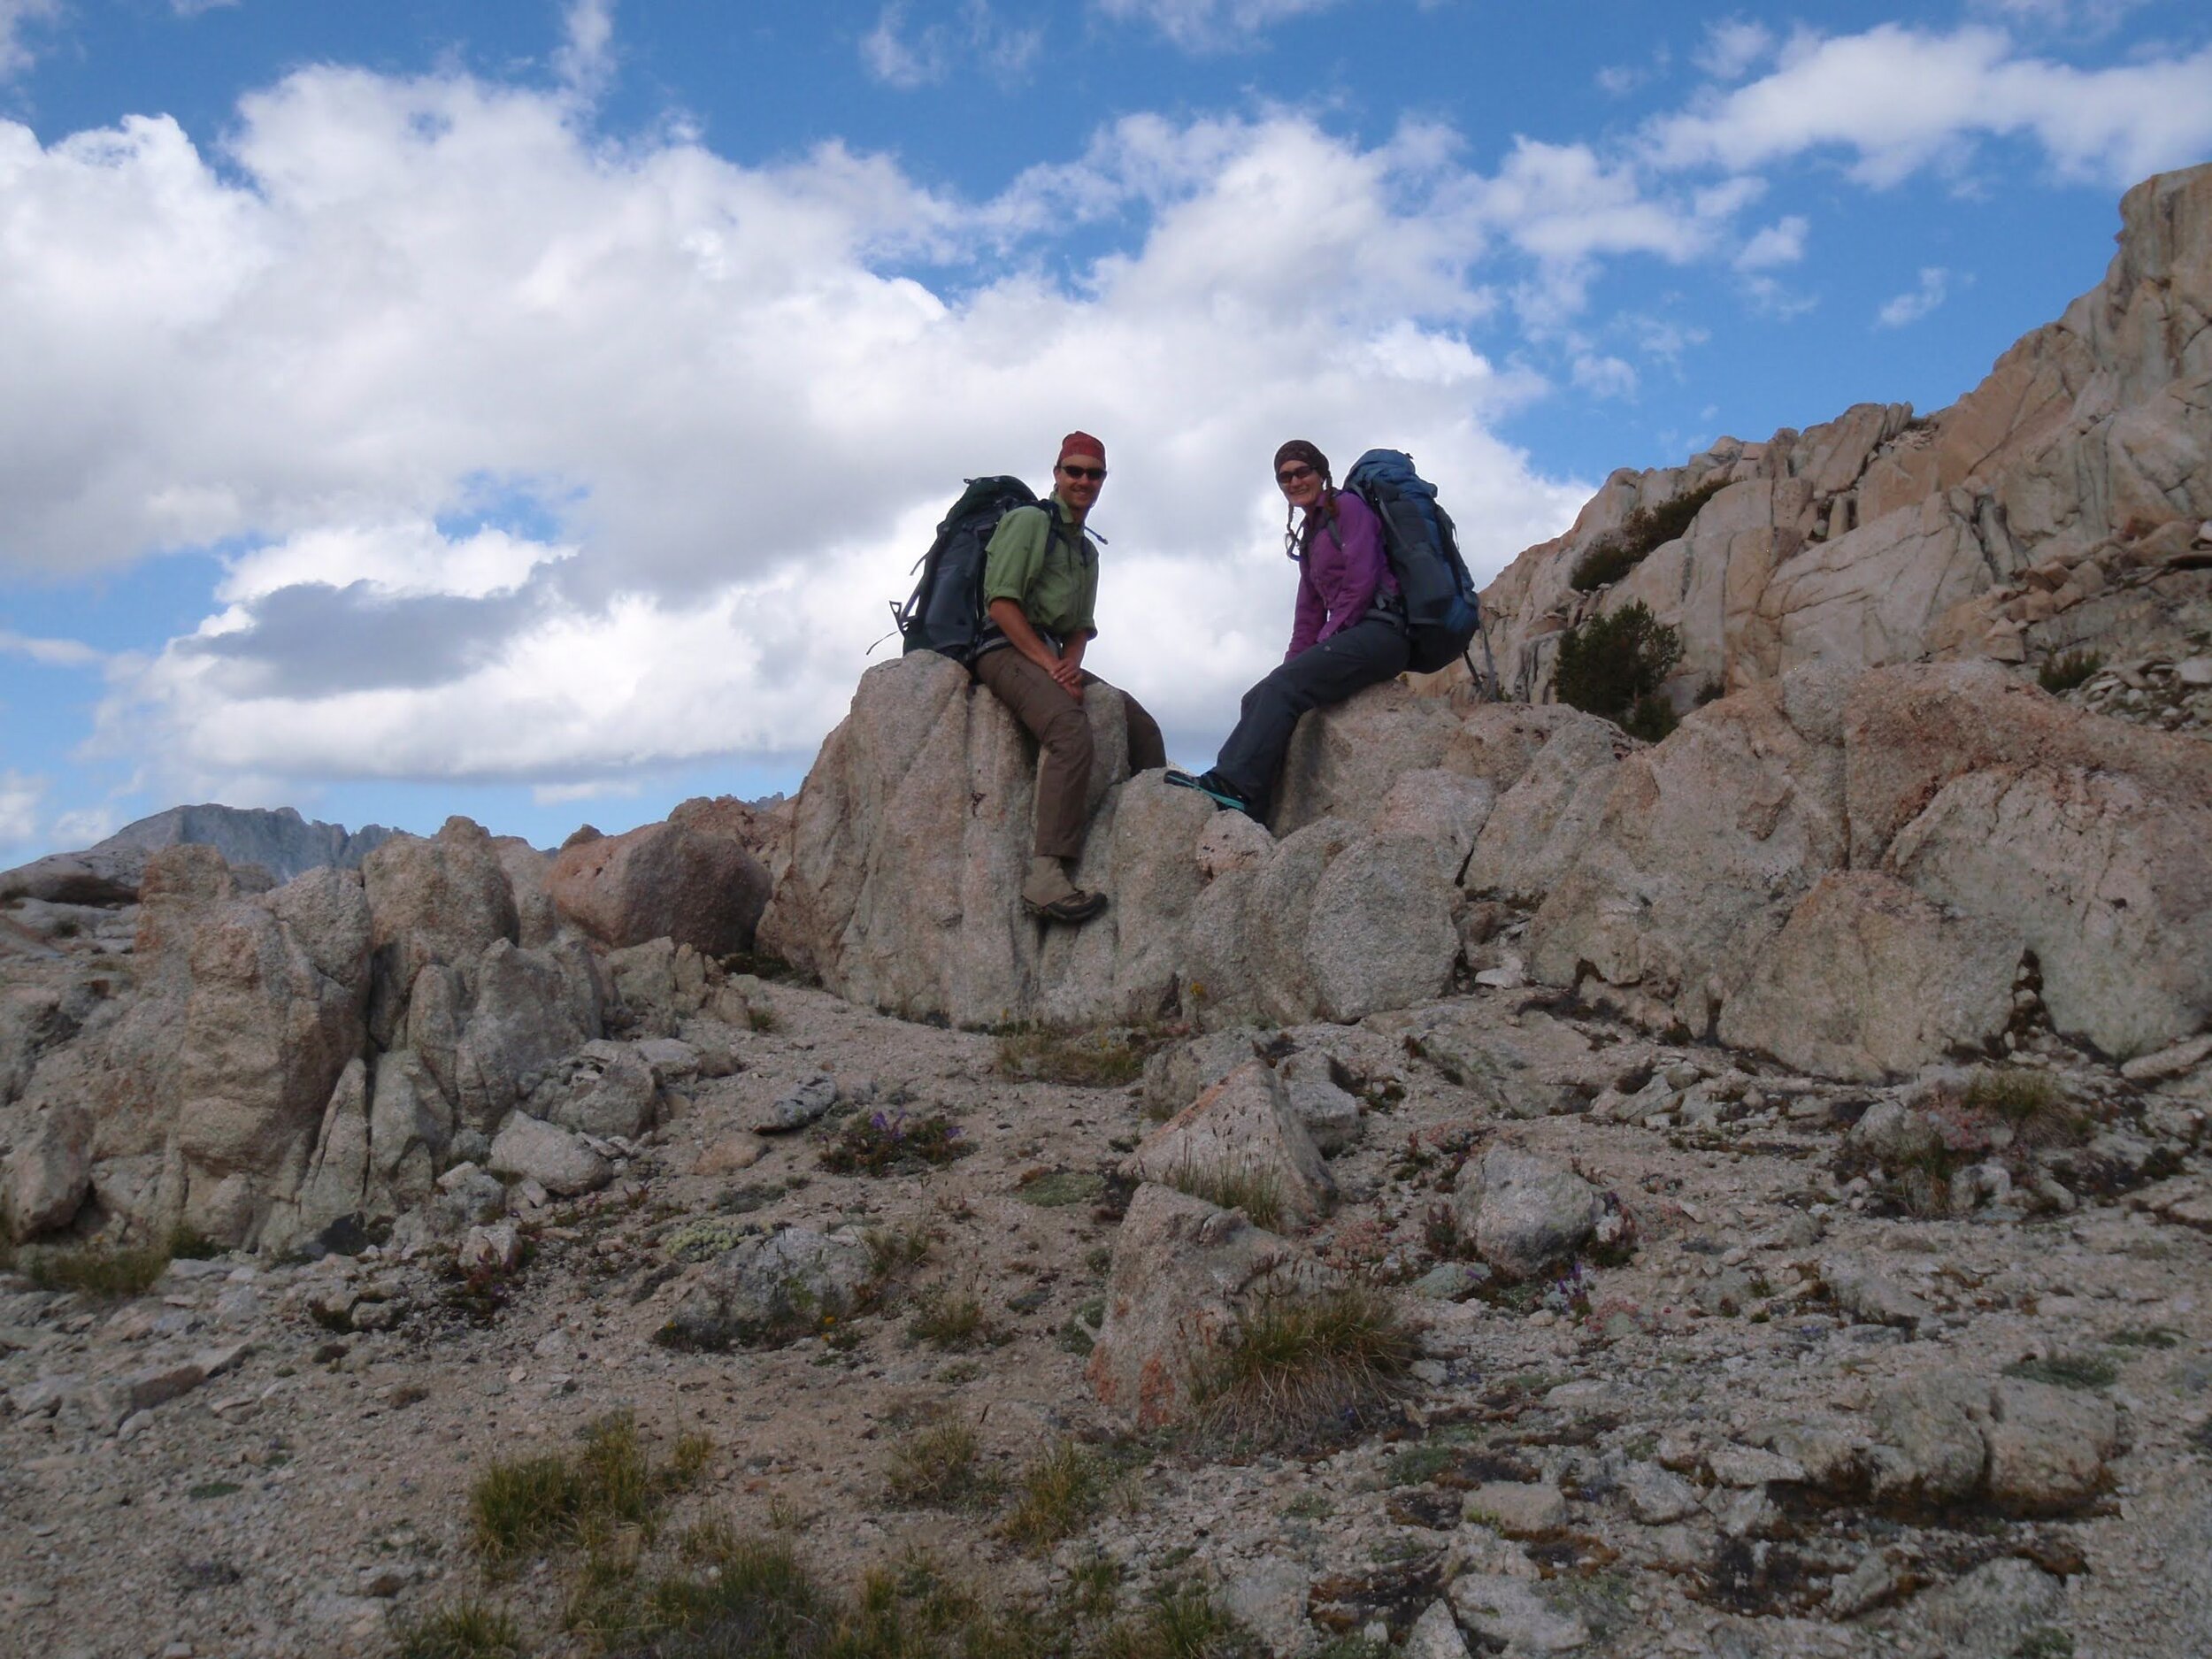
1734	47
548	462
1899	99
16	18
1915	303
1780	244
1211	24
21	796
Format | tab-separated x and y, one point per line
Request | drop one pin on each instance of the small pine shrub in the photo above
1651	719
2062	673
1609	665
1621	549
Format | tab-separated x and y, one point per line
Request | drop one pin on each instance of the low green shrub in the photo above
1620	550
1613	666
888	1143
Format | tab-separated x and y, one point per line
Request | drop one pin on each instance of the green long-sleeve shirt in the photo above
1053	577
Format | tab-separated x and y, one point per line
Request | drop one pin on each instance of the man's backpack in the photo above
1442	612
945	612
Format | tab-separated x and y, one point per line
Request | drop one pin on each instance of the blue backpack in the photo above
1442	612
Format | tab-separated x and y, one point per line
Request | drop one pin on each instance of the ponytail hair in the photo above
1299	449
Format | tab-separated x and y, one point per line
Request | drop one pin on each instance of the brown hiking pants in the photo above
1063	731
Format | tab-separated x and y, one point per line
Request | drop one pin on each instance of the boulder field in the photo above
1747	1193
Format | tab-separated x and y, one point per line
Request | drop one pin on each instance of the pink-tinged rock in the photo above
50	1173
1241	1131
1183	1274
1869	980
689	879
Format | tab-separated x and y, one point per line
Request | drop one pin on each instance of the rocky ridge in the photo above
2058	508
1741	1194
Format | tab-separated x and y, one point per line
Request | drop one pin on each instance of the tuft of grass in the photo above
2062	673
1078	1059
2031	1100
2157	1336
1646	529
1613	666
1057	1189
1304	1370
948	1320
1180	1624
937	1468
465	1630
1255	1192
523	1504
2067	1370
893	1253
108	1275
761	1018
1056	1496
887	1143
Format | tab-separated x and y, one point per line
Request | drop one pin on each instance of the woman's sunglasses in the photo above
1086	474
1291	475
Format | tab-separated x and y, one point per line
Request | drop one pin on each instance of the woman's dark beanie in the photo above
1299	449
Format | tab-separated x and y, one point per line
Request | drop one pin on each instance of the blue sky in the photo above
527	409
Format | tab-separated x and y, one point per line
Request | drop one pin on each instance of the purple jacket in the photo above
1343	572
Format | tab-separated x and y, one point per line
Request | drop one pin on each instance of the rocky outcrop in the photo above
911	834
1985	823
2054	508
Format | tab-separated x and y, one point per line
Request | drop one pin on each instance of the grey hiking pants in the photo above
1365	653
1062	731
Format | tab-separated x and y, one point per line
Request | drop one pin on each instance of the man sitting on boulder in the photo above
1039	589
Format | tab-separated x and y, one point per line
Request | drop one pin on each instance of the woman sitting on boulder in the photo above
1349	632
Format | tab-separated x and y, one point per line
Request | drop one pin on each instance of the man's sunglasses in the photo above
1291	475
1086	474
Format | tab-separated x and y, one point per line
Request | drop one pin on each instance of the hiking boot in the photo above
1210	785
1075	905
1049	895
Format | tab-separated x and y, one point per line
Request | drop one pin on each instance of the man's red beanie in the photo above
1080	443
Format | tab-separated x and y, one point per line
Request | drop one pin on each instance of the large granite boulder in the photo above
1705	844
1868	981
912	832
1186	1274
690	878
